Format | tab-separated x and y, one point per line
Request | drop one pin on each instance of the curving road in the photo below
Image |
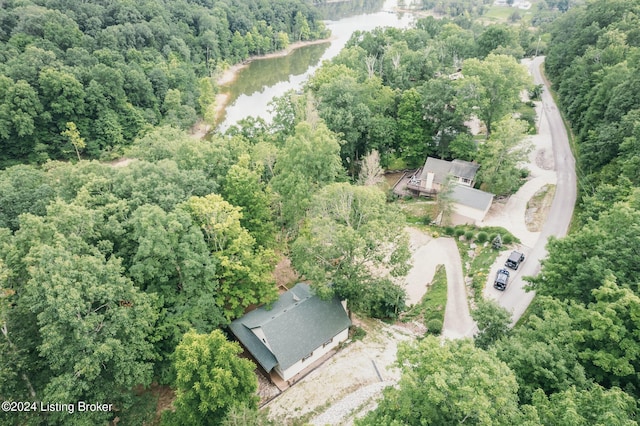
515	299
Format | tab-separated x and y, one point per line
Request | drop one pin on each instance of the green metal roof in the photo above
298	323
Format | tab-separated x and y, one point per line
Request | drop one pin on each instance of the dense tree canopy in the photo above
446	384
115	69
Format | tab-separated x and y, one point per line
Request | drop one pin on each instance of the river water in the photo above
262	80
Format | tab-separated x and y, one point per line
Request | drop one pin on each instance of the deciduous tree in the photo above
501	155
492	87
448	383
211	380
352	243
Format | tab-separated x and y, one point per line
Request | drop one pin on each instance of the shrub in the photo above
448	230
507	239
482	237
384	300
459	232
468	235
357	333
434	326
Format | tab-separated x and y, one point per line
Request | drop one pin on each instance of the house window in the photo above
327	342
307	357
465	180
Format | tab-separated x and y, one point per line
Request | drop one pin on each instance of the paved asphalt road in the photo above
515	299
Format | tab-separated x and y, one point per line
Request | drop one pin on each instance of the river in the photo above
262	80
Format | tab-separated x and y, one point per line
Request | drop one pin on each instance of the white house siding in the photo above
317	354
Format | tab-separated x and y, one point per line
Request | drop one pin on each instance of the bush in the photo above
507	239
459	232
357	333
384	300
434	326
448	230
482	237
468	235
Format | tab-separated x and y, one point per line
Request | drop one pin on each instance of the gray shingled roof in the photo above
441	168
298	323
464	169
471	197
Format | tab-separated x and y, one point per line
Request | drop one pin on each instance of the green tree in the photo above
444	114
593	406
74	137
171	260
607	339
543	352
309	160
211	380
447	383
492	87
444	201
412	129
244	188
242	270
23	189
499	38
463	147
493	323
500	156
352	245
86	327
581	262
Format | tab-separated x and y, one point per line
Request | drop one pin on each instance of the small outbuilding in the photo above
470	205
299	329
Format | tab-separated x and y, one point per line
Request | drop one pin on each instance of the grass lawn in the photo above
502	14
431	308
480	266
418	211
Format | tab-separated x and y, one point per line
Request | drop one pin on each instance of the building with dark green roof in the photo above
298	329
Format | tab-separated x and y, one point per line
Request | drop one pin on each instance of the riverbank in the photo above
229	75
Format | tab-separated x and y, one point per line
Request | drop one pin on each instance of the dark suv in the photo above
515	258
502	278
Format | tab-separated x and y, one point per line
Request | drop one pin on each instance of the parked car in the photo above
515	258
502	278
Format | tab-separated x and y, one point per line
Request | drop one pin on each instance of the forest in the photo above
119	277
114	69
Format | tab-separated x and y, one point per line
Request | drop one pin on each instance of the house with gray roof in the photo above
435	171
470	204
296	331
